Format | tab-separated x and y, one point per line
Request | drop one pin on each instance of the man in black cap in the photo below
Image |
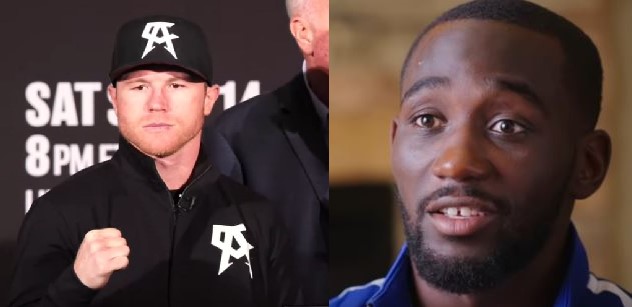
157	225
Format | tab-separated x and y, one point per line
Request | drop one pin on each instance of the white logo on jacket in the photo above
226	246
150	33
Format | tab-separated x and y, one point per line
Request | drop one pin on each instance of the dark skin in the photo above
485	105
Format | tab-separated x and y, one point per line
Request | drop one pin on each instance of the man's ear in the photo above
113	98
592	163
303	34
212	93
393	130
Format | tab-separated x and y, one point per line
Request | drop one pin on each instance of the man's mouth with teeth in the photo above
461	212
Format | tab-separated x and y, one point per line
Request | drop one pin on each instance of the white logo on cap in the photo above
150	33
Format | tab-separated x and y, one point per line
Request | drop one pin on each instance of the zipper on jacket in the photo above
174	223
175	207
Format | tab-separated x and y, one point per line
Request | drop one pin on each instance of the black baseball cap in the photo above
161	40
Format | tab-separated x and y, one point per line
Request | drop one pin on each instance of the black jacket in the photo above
275	145
172	261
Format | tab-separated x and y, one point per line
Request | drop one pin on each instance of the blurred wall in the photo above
369	40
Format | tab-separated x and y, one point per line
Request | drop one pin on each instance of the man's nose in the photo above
157	101
463	158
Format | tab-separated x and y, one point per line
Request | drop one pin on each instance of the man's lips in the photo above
446	204
462	215
157	126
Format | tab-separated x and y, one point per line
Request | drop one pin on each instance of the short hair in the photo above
583	73
293	6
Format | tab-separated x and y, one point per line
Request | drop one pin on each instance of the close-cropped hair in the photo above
583	72
292	6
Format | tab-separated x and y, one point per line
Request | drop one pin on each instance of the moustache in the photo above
495	203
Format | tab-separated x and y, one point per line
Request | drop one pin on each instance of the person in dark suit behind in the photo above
277	144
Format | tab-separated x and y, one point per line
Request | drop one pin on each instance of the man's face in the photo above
319	20
483	152
161	111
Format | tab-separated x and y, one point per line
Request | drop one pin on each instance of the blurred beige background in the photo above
369	39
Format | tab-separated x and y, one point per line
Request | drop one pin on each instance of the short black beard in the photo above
517	247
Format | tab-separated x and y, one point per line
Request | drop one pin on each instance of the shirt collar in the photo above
395	291
577	274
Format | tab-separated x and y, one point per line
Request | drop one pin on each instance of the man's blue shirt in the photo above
580	287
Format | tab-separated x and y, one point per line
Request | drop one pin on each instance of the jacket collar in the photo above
395	288
142	167
300	124
321	110
295	91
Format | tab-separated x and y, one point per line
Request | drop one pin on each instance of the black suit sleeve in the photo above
43	270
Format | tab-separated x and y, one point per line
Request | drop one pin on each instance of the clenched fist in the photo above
102	252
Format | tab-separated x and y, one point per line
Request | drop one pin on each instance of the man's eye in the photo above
139	87
427	121
177	85
506	126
